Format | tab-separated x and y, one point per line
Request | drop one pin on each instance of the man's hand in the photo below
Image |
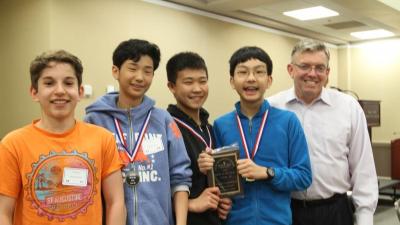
248	169
208	199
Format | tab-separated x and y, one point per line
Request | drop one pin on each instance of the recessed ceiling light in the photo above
371	34
392	3
311	13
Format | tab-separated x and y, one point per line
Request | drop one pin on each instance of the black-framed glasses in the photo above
306	68
257	73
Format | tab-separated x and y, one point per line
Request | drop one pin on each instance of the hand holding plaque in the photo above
205	161
224	173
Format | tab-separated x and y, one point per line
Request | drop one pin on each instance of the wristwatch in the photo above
270	173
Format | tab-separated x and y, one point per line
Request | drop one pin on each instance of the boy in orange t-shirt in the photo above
55	169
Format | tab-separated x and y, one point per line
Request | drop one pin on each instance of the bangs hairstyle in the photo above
133	49
249	52
43	61
182	61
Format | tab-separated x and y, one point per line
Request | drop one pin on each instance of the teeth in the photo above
310	81
137	86
59	101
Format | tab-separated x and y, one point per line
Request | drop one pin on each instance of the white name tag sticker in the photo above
75	177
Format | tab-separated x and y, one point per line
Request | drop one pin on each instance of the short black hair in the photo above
133	49
249	52
45	59
184	60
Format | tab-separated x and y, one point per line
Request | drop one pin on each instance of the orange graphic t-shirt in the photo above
56	178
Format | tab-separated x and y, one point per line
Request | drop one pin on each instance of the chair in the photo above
395	159
395	169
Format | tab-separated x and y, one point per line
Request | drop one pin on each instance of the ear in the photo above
34	93
327	71
81	91
269	83
115	72
171	87
232	83
327	76
290	69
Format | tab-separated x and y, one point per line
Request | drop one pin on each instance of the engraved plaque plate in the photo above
224	173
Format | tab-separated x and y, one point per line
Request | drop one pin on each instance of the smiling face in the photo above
57	92
134	79
190	89
250	80
310	71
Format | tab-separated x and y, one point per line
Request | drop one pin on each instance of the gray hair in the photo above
309	45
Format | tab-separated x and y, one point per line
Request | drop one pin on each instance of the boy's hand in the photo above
205	161
248	169
208	199
224	206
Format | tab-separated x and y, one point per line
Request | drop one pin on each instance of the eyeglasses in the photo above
257	73
306	68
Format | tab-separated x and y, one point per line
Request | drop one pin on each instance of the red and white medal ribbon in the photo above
191	130
132	153
258	139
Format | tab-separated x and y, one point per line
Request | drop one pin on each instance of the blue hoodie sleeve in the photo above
89	118
297	176
100	119
179	162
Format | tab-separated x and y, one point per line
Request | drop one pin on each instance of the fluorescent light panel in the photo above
311	13
395	4
371	34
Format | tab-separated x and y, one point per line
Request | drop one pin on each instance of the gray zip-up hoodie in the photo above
161	162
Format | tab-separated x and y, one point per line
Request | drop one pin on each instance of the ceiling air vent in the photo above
345	25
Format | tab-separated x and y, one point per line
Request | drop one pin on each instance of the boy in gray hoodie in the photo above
148	139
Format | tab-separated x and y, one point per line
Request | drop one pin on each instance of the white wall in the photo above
24	33
92	29
375	75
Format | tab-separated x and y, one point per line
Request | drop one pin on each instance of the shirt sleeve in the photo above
11	181
179	162
362	169
111	159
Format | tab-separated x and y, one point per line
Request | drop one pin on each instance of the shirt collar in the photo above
324	97
264	107
177	112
